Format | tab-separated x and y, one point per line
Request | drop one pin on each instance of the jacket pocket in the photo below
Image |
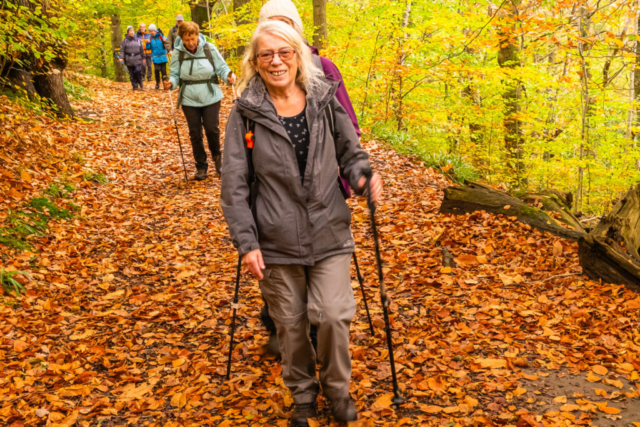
340	219
277	226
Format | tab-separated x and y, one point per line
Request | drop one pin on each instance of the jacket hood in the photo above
180	44
256	98
314	50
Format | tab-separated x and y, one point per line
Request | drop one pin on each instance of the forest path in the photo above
129	319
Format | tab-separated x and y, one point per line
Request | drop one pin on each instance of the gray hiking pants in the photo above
320	295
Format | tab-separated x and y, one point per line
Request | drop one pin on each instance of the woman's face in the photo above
277	73
131	32
190	41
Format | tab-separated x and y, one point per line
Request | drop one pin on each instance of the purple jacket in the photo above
332	73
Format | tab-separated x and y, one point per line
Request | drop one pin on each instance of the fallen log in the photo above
555	201
474	197
610	251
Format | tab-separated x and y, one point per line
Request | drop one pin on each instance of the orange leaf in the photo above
599	369
592	378
26	178
519	391
430	409
19	346
382	402
610	410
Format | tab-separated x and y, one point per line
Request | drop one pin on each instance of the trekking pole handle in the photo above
368	174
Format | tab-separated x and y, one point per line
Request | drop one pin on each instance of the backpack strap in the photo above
250	127
207	53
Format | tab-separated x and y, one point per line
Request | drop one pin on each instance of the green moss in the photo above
98	178
532	212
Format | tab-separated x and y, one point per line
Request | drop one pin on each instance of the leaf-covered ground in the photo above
127	313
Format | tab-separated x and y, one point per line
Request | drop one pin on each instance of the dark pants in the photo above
146	69
197	117
135	77
160	69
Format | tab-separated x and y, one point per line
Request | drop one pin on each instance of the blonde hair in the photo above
309	77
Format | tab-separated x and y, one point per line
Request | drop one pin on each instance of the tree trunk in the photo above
402	56
240	20
509	58
610	251
477	197
636	78
103	54
50	85
116	40
199	14
22	79
320	33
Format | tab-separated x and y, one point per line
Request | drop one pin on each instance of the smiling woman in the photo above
263	57
293	231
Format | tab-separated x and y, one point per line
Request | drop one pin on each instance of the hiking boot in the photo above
201	175
157	86
343	410
218	161
302	412
273	346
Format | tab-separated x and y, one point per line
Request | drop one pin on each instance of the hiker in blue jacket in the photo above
196	67
157	44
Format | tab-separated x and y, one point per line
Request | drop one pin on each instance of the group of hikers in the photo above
291	157
145	50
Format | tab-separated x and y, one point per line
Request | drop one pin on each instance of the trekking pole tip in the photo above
397	399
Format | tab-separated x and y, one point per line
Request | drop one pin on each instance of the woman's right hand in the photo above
167	84
121	60
254	263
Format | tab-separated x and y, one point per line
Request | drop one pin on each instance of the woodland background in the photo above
117	276
529	94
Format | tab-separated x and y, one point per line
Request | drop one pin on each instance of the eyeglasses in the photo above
284	54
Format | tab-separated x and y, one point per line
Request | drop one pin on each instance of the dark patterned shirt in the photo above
298	132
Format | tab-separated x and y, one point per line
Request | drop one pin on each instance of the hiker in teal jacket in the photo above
200	93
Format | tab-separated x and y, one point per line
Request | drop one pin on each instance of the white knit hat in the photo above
284	8
152	27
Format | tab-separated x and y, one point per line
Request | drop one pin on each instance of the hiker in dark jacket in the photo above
157	45
196	67
295	235
173	34
286	11
143	36
132	55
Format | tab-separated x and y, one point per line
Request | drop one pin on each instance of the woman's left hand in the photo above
231	78
376	186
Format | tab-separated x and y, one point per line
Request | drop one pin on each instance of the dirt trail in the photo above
127	323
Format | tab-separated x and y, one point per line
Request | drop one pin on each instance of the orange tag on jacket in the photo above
249	138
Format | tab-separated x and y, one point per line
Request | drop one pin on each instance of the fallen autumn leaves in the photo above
126	318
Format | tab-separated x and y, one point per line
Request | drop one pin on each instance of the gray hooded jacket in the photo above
290	222
132	52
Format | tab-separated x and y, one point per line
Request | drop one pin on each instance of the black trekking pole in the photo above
233	318
384	300
175	122
364	296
